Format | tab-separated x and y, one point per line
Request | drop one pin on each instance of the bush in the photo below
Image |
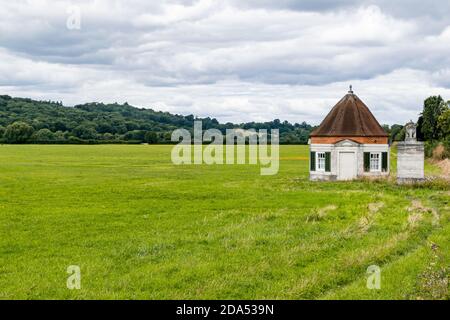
446	144
439	152
429	147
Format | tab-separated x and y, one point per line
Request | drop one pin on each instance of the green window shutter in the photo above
366	161
327	161
313	161
384	161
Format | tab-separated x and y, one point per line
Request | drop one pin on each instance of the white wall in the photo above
348	146
410	161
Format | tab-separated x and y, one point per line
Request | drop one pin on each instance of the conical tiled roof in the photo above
349	117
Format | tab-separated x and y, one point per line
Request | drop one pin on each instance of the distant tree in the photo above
444	124
2	132
38	124
151	137
400	136
166	137
108	136
433	107
134	135
396	133
85	132
43	135
420	136
119	126
59	126
61	136
104	127
131	125
18	132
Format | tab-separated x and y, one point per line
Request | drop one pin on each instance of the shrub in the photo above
429	147
446	144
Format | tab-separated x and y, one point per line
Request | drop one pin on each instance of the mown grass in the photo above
142	228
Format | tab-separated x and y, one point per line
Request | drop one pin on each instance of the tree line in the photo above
24	120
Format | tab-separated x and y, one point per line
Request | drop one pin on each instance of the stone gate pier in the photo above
410	157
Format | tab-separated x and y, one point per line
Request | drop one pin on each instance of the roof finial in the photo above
351	89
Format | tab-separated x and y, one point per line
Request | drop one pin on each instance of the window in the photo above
320	161
374	162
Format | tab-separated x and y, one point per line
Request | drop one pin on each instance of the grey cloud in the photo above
400	8
136	47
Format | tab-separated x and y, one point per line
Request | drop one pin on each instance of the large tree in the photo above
18	132
444	124
397	132
433	107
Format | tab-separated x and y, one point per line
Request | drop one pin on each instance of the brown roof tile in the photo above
349	117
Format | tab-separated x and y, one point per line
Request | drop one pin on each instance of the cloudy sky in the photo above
235	60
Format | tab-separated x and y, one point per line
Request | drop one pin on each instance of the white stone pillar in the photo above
410	157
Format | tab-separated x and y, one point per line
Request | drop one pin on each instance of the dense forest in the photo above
24	120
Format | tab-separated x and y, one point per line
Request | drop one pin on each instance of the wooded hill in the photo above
24	120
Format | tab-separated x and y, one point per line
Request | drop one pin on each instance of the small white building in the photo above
349	143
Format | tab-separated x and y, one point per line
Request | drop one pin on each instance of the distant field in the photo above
142	228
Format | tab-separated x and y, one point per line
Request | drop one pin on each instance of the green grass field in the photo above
142	228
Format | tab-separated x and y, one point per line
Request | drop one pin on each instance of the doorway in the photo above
347	166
